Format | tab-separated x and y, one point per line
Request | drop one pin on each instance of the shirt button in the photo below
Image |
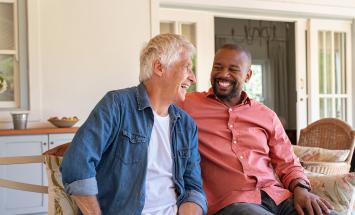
234	141
241	157
230	110
231	126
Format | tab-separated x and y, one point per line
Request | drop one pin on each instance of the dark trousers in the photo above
267	207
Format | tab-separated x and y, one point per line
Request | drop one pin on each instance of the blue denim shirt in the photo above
108	155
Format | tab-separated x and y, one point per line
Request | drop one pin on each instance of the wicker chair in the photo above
328	133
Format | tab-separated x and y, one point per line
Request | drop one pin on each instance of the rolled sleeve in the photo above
197	198
297	175
192	176
285	162
87	187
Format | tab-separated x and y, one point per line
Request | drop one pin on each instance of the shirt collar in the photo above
144	102
142	97
244	96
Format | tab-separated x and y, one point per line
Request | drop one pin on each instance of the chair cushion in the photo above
306	153
58	200
338	190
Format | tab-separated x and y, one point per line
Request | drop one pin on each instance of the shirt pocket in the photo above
183	158
132	147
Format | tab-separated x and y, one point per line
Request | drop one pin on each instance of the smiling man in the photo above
137	152
243	145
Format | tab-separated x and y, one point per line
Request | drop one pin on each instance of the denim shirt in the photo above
108	155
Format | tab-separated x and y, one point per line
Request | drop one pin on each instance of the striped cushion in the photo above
59	203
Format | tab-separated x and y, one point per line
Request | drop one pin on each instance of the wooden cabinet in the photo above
26	143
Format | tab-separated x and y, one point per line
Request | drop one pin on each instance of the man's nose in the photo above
225	73
192	77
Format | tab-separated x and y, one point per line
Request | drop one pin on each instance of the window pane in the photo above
7	78
254	87
321	108
326	70
321	62
340	106
7	41
166	27
329	103
325	107
328	63
339	63
189	32
192	87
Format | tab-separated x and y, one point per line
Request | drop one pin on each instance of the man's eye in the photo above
217	67
234	69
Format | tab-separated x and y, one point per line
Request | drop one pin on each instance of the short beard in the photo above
233	93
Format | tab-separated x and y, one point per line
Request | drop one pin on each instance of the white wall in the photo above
82	49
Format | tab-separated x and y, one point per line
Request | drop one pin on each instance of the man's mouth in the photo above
185	86
224	83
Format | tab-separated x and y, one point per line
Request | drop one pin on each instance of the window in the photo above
13	56
255	85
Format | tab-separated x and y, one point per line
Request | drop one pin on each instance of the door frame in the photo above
300	68
275	10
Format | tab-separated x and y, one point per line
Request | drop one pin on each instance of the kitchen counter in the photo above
29	131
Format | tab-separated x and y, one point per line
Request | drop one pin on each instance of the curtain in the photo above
278	64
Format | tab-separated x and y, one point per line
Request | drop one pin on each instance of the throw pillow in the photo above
338	190
59	202
306	153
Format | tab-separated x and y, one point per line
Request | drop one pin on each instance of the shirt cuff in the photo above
197	198
87	187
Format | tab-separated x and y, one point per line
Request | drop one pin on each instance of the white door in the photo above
198	27
329	70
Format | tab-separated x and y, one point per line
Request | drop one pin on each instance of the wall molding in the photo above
295	8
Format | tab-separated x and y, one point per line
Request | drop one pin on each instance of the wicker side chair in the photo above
328	133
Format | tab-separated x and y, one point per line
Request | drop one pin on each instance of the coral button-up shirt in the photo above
242	148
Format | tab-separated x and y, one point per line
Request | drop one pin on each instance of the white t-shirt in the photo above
160	196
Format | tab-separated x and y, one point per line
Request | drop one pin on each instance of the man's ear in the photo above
157	68
248	75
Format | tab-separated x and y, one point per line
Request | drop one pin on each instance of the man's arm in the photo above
285	163
291	173
190	208
195	197
88	205
85	151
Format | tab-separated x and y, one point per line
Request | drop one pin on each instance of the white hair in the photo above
166	48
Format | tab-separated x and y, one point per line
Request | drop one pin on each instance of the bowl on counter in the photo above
64	122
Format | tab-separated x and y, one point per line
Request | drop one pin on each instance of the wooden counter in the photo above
9	132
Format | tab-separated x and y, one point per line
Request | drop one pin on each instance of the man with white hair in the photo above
137	152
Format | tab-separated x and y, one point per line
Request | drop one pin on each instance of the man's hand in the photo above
88	204
311	203
189	208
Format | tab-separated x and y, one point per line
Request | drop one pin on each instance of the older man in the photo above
243	147
137	152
